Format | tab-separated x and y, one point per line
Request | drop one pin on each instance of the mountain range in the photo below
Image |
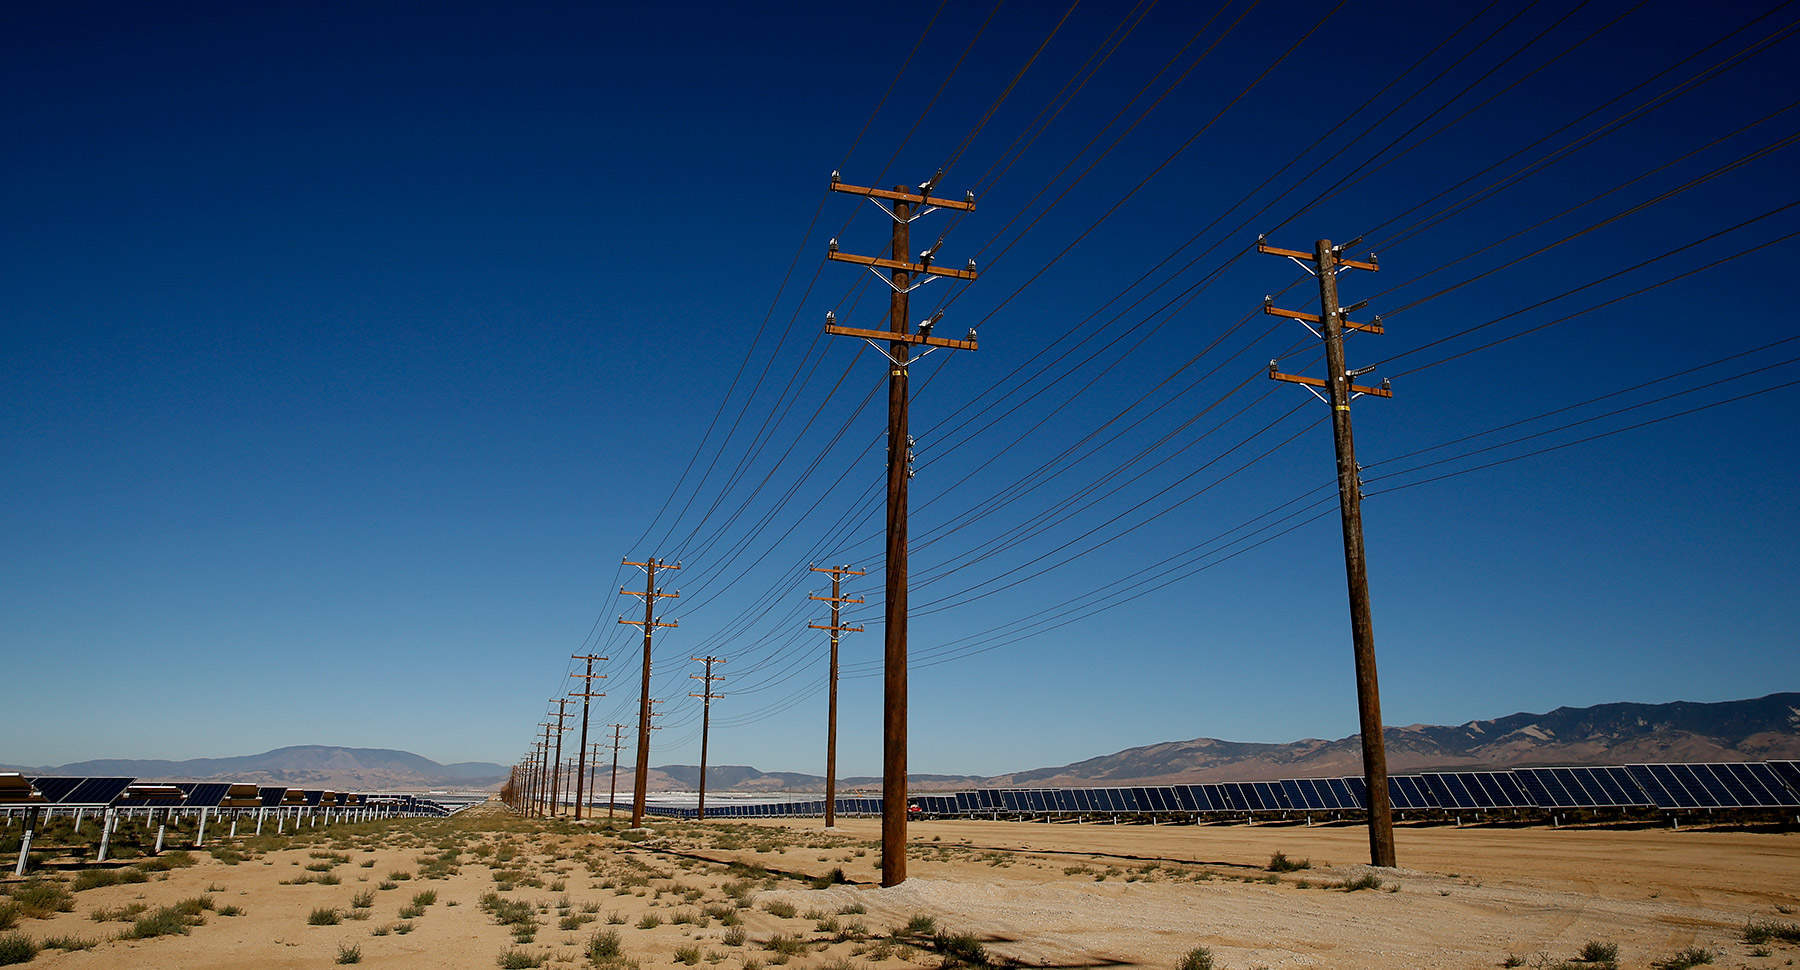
1758	729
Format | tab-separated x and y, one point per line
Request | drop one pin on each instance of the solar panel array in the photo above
112	792
1670	787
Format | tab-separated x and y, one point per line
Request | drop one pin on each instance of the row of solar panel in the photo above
113	792
1774	784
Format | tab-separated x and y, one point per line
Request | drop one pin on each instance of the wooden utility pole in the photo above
904	276
1327	263
613	795
556	776
831	718
587	691
650	594
544	771
706	698
593	765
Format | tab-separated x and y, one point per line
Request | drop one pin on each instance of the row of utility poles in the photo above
901	344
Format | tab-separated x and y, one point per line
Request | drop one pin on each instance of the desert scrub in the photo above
69	942
1760	931
40	898
573	921
735	936
688	954
778	908
603	946
323	916
1199	958
1367	880
1599	951
785	945
517	959
349	953
649	921
426	898
363	900
1279	862
17	948
1687	959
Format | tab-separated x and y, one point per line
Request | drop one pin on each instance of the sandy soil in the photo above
1038	894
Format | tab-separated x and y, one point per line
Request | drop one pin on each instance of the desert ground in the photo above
488	889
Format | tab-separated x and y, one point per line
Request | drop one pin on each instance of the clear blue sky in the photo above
348	351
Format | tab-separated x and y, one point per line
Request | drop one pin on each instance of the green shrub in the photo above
363	899
735	936
1199	958
1367	880
779	908
94	879
69	942
689	954
9	915
1599	951
649	921
1761	931
349	953
323	916
516	959
785	945
1279	862
17	948
920	926
39	898
959	949
425	898
603	946
1687	959
166	921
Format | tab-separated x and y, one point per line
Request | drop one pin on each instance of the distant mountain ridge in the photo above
301	766
1758	729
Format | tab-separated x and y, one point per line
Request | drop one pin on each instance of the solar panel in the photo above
205	794
1407	792
56	789
96	791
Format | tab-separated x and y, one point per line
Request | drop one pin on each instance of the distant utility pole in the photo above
593	765
835	599
650	594
613	795
706	698
1327	263
561	714
587	691
904	275
544	772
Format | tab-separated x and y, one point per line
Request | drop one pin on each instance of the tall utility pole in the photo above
835	599
706	698
1327	263
613	795
904	276
587	691
561	715
650	594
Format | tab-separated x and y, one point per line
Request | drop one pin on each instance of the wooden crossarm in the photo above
1320	382
897	196
846	629
1263	247
833	599
901	338
1276	311
885	263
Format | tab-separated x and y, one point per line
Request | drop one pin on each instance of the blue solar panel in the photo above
1407	792
55	789
96	791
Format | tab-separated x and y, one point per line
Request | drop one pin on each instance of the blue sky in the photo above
350	351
